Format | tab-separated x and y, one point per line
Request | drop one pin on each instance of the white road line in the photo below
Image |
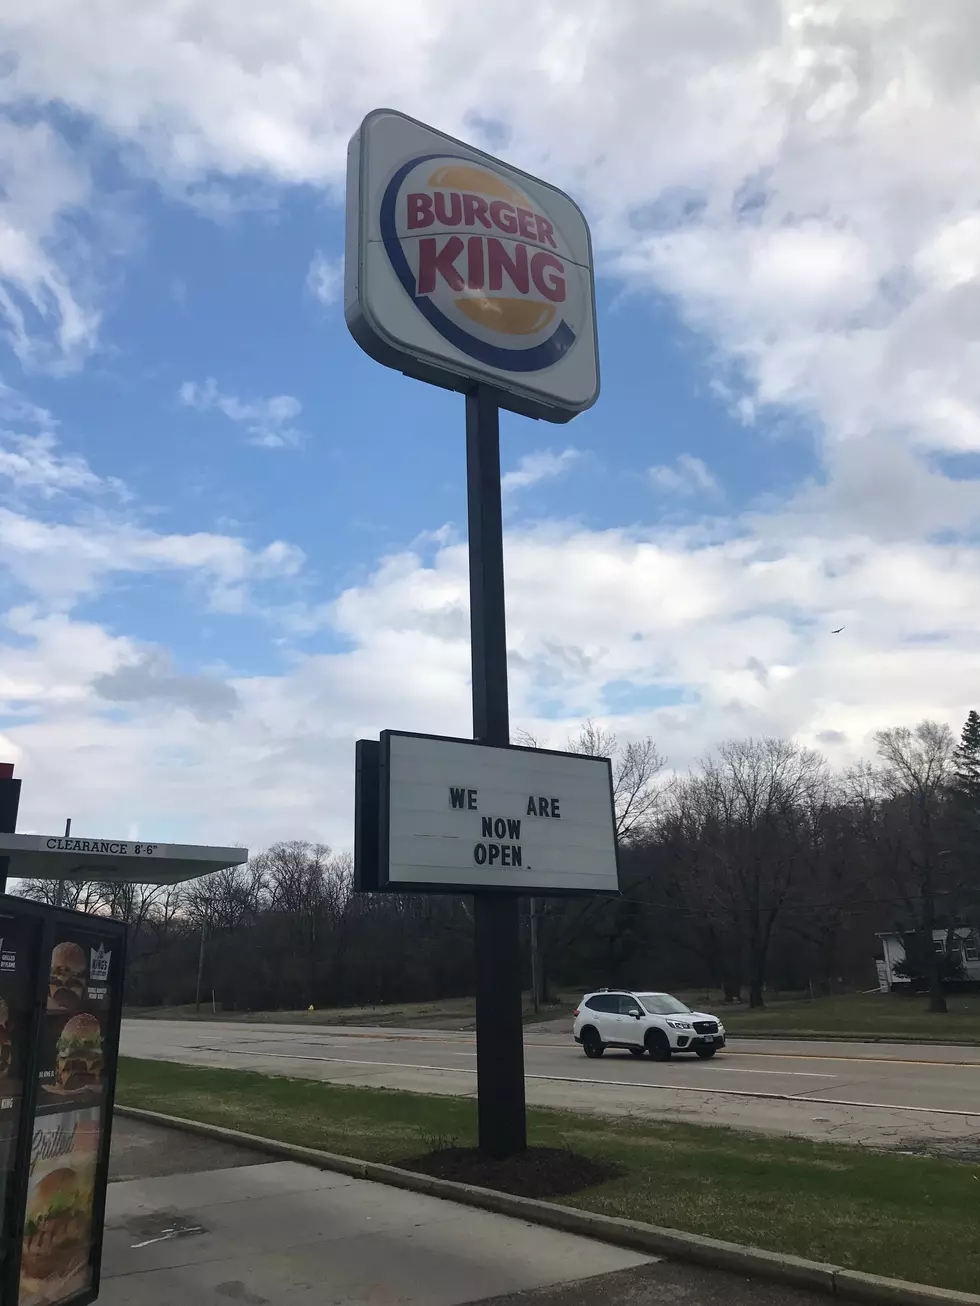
797	1074
625	1083
733	1047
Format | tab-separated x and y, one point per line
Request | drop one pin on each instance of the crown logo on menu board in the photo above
100	963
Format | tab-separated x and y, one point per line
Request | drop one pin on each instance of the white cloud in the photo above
151	677
325	279
738	630
31	460
734	633
534	467
728	624
800	178
62	562
46	311
687	475
268	422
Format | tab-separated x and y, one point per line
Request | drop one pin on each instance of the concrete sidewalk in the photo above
196	1223
275	1233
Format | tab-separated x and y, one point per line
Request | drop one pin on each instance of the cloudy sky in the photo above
232	544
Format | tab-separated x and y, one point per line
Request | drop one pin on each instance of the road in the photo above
911	1097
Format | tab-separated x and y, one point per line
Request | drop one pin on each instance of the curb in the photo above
714	1253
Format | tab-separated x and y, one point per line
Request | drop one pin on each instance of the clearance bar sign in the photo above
457	816
462	270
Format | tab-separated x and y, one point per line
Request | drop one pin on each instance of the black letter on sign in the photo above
480	853
471	799
531	809
488	827
513	828
456	797
554	809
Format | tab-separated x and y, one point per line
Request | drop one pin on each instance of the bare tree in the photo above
228	899
72	895
638	793
757	868
135	904
837	878
914	781
308	890
748	813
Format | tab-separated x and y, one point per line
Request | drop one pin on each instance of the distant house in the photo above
965	941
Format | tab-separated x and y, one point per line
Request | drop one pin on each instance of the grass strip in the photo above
449	1013
882	1016
915	1218
890	1017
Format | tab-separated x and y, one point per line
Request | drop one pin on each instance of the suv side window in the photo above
626	1005
603	1002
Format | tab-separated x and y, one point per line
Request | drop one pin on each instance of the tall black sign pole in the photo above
9	802
499	1025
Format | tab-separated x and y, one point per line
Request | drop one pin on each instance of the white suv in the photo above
644	1022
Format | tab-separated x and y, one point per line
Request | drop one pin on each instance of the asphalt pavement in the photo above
909	1097
198	1223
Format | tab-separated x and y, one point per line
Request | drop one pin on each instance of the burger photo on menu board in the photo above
78	1055
57	1233
69	972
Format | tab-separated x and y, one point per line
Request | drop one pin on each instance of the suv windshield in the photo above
662	1004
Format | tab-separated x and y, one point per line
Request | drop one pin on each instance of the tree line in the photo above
759	870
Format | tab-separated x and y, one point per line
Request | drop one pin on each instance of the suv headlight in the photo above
679	1024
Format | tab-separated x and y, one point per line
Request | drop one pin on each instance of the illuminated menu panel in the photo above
57	1256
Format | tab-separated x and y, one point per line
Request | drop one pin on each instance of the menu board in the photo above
57	1253
18	956
17	951
56	1260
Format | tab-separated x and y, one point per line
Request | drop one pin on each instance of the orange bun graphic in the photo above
459	176
515	317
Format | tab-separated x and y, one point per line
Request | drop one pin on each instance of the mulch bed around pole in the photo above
539	1172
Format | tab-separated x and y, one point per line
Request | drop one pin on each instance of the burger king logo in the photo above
483	263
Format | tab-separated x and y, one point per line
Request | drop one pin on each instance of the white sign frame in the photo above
409	331
488	788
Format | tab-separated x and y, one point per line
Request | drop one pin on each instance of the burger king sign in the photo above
462	270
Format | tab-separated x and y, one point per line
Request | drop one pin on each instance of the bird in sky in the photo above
837	631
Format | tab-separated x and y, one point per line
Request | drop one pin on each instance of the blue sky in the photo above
229	304
232	542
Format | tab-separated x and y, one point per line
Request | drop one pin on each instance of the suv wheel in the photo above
658	1045
705	1053
592	1044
